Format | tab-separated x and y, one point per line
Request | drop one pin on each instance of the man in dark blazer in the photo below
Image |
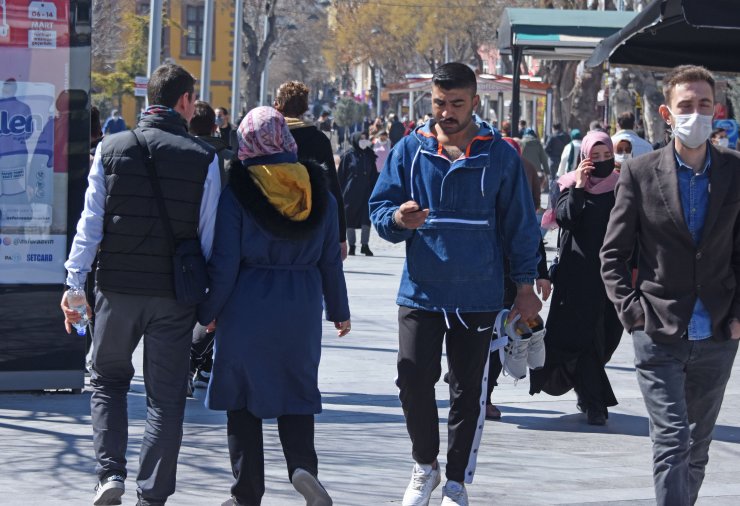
680	207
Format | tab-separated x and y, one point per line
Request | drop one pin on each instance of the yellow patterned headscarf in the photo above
286	186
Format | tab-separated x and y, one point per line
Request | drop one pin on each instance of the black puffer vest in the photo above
134	256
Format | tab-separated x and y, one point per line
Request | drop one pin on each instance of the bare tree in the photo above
107	33
265	27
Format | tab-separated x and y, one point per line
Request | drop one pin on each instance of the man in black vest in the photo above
135	286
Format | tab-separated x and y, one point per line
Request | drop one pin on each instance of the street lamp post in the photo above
263	82
205	65
379	87
155	37
237	60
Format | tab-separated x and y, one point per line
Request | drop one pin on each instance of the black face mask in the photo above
603	168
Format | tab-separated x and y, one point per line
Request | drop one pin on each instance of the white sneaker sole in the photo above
109	494
309	487
420	501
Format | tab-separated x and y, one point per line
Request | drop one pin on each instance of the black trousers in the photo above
468	341
201	349
166	327
247	453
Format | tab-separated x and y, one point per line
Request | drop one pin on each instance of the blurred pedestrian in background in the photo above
357	176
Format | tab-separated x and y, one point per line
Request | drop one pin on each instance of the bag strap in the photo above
151	170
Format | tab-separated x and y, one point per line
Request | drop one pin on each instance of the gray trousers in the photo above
364	235
683	384
167	327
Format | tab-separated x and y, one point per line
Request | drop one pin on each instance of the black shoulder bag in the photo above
189	271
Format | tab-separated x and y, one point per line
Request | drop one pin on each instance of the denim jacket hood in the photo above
480	210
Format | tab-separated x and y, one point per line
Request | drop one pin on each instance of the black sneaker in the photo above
110	489
596	417
365	249
351	251
201	378
190	390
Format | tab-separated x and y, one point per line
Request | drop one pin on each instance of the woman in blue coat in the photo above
276	258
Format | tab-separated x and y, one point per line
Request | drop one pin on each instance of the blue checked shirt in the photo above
694	190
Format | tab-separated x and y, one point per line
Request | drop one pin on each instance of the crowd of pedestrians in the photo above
648	243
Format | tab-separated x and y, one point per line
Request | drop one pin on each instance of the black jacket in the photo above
315	146
357	176
226	156
135	256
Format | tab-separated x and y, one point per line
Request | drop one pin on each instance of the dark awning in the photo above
668	33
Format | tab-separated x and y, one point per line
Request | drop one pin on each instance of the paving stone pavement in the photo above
542	452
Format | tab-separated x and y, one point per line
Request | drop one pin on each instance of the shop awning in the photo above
553	34
557	34
668	33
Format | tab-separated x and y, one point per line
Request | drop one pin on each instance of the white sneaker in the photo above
454	494
515	351
536	352
310	488
424	479
110	490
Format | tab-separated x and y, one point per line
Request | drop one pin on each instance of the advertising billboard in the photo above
34	129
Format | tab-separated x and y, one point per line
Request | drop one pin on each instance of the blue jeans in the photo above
683	384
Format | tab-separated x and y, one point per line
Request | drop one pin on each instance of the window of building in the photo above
194	30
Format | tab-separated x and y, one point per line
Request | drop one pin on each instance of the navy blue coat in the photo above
269	276
357	176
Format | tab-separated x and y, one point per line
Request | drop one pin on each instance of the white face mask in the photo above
364	143
622	157
723	142
692	129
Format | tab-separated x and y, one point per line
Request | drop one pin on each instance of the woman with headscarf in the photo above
276	258
357	176
583	330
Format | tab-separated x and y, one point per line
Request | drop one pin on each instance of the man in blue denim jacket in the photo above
457	194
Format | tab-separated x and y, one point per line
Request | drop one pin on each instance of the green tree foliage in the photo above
348	112
110	87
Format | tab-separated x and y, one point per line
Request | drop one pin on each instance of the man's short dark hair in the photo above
685	74
292	99
716	132
626	120
168	83
455	75
522	122
223	110
557	126
203	120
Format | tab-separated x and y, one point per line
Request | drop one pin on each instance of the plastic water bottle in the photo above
76	300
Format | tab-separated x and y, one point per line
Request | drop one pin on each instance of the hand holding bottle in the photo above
77	311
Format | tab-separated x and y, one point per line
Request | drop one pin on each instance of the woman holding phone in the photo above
583	330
